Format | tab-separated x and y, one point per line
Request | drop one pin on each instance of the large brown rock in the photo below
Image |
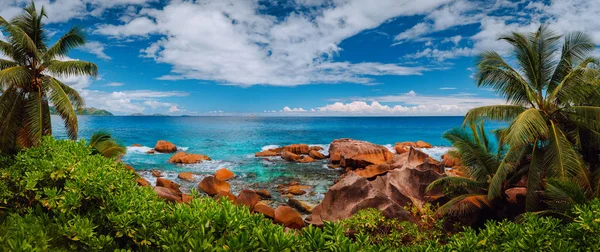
352	194
289	156
174	187
264	209
288	217
247	198
165	147
186	158
299	149
266	153
156	173
167	194
224	174
356	154
211	185
404	182
316	155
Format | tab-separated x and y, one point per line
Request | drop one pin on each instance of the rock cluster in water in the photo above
373	177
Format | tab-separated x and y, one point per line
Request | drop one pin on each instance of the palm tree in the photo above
552	109
28	81
480	160
102	143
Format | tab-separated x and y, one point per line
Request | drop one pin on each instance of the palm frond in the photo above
71	68
11	112
464	204
4	63
63	105
535	175
510	162
561	159
478	162
576	47
495	112
34	117
526	128
105	145
457	183
70	40
17	76
494	72
562	194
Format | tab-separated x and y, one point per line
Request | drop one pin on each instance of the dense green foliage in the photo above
58	196
28	83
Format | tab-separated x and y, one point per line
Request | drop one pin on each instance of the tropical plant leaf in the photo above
464	204
63	105
535	175
71	68
527	128
458	183
494	112
561	159
68	41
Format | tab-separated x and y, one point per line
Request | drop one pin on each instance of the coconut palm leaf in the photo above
562	194
61	48
17	76
454	183
11	108
4	63
477	161
494	112
526	128
464	205
561	159
509	164
576	47
103	144
71	68
34	117
535	174
63	105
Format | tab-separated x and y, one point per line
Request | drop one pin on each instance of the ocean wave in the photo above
138	149
270	146
436	152
145	149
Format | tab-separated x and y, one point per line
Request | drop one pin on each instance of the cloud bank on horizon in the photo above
251	44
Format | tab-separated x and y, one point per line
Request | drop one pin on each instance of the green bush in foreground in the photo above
59	197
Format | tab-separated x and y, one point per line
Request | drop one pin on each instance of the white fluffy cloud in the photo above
65	10
524	16
234	43
408	104
95	48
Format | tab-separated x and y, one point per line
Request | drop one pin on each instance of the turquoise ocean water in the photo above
232	141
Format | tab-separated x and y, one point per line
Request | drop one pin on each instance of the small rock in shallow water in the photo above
299	205
156	173
316	155
165	147
264	194
224	174
186	176
266	153
185	158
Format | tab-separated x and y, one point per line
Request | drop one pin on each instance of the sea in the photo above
232	141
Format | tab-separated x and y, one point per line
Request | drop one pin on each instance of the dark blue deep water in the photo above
232	141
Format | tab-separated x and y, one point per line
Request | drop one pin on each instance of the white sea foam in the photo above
390	147
268	147
138	149
182	148
436	152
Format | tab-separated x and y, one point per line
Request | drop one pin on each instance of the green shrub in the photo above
60	197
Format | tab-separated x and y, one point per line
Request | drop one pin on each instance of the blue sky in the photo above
296	57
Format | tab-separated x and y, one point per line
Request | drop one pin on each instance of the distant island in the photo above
86	111
142	114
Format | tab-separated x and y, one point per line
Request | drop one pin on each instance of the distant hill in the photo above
86	111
